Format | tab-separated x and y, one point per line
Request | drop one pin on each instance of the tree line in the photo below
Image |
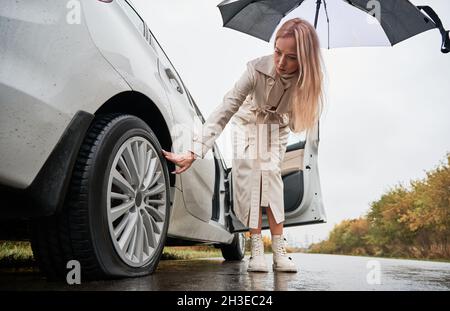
407	222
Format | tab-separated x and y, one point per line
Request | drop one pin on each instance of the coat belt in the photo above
267	112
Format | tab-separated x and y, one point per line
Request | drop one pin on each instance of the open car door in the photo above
302	192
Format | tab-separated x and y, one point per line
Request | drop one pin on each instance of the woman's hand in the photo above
184	161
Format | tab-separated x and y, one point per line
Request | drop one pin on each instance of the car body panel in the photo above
309	208
184	225
39	45
127	51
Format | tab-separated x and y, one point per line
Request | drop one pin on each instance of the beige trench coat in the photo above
260	147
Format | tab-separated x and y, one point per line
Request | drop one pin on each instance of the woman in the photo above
282	89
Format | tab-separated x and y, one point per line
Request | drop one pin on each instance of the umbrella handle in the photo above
445	48
446	42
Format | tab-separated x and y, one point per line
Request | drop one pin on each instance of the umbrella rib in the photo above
328	22
237	11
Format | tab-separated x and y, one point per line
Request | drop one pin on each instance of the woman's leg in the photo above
275	229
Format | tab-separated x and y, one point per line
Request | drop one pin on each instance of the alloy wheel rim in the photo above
136	201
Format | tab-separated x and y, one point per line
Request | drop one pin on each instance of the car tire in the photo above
115	217
235	250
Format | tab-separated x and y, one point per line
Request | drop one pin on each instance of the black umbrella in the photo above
339	23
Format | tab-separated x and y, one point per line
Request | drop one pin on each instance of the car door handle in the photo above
171	76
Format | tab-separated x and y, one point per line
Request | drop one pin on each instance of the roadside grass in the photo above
190	252
15	254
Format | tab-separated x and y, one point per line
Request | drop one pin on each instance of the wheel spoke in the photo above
129	158
119	196
146	246
148	157
121	182
125	239
121	226
139	238
154	213
155	227
150	230
142	164
135	150
121	209
125	170
158	189
150	173
155	201
132	245
155	179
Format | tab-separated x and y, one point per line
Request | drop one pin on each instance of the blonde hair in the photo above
306	104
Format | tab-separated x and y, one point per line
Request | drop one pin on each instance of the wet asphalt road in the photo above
316	272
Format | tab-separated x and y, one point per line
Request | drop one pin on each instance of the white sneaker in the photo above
281	261
257	262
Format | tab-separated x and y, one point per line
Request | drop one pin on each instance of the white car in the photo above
87	100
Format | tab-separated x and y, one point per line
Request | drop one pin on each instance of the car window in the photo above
294	138
154	43
165	59
194	105
132	15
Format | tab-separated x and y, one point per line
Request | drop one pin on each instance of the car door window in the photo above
132	15
168	69
155	44
295	138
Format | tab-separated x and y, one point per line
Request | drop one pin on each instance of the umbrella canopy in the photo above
339	23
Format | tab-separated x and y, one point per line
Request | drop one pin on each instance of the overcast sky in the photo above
387	113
